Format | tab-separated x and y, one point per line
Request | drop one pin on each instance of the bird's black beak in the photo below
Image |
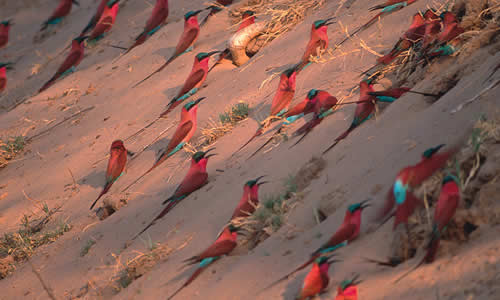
9	66
365	204
199	11
327	21
210	155
259	178
213	52
331	261
207	156
76	2
199	100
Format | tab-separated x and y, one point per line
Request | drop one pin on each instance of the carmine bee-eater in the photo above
317	279
432	28
390	95
106	21
281	101
156	21
3	75
318	42
248	18
186	41
62	10
410	37
193	82
348	290
363	112
250	198
321	103
348	231
195	178
4	32
116	165
182	135
445	210
95	18
224	244
401	194
451	28
69	65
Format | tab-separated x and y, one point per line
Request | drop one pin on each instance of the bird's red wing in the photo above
186	40
3	83
389	203
449	18
3	40
344	233
103	26
219	248
297	109
428	166
72	59
116	164
191	184
446	207
181	132
191	82
284	97
157	18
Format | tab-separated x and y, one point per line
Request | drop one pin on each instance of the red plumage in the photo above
284	94
4	34
392	92
116	165
158	18
451	28
61	11
73	59
3	78
317	42
315	282
106	21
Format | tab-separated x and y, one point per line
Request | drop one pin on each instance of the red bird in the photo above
62	10
432	28
363	112
281	101
249	200
318	42
156	21
390	95
116	165
401	195
348	290
321	103
3	75
347	232
195	178
69	65
186	42
182	135
248	19
193	82
95	18
106	21
416	32
4	32
317	279
445	210
224	244
451	28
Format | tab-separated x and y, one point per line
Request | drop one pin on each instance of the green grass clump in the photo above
237	113
9	149
86	247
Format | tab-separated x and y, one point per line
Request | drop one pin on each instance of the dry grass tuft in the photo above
281	15
9	149
20	246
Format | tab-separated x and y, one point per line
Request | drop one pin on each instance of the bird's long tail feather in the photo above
256	134
341	137
157	71
104	191
140	177
301	267
142	129
161	215
267	142
190	279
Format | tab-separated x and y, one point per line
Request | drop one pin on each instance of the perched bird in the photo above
391	94
401	195
445	210
250	198
281	101
363	112
451	28
3	75
224	244
317	279
432	28
348	231
193	82
410	37
62	10
95	18
69	65
348	290
248	18
106	21
4	32
195	178
156	21
322	104
116	165
182	135
318	42
186	41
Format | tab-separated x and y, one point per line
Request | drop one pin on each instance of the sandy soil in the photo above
362	166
